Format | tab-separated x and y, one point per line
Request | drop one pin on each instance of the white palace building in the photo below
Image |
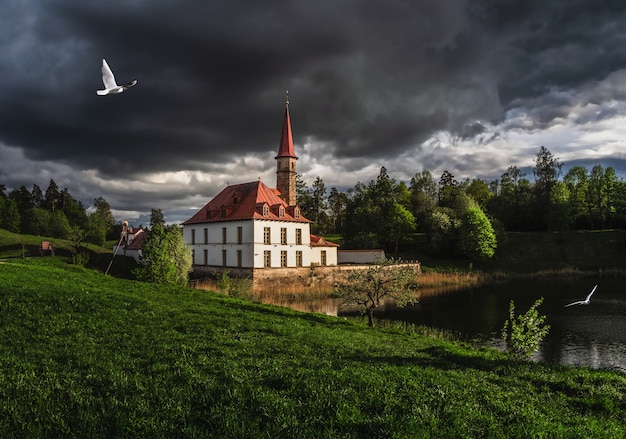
250	226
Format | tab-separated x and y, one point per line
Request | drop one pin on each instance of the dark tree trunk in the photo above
370	317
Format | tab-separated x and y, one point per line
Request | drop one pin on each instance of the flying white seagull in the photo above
110	86
583	302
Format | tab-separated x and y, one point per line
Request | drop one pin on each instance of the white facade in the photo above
321	256
244	244
360	256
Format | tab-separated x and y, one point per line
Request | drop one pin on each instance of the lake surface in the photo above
591	335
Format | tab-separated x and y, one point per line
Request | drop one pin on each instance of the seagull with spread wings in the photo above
110	86
583	302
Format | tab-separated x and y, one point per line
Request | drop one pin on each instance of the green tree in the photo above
181	254
318	206
480	192
337	207
620	203
577	182
156	218
103	211
36	197
165	258
560	213
442	233
400	222
303	197
424	197
95	231
477	240
523	334
448	187
59	225
513	205
52	197
368	288
37	222
9	215
600	194
547	170
361	217
24	203
73	209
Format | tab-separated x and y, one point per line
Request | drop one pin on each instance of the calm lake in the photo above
591	335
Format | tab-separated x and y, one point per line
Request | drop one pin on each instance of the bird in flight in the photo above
110	86
583	302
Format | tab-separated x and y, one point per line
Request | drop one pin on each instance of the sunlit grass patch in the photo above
85	355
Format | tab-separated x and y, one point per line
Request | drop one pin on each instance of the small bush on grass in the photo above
524	333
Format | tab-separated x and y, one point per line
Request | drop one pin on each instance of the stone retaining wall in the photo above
304	277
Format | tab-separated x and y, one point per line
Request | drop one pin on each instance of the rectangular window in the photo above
267	258
298	258
206	236
223	235
193	256
266	235
193	236
239	235
206	257
223	258
299	236
323	261
283	258
239	258
283	235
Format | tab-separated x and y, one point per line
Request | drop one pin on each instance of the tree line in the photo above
458	218
57	214
454	214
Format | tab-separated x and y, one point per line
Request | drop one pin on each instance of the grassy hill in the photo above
83	355
14	245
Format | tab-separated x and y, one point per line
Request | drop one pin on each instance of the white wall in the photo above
130	253
331	255
252	246
275	246
360	256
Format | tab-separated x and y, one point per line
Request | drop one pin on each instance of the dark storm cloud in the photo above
367	79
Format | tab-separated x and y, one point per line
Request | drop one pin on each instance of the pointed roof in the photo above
285	148
246	201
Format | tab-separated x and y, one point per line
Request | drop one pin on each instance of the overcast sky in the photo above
467	86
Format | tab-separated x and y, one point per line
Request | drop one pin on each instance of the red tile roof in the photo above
137	243
319	241
247	201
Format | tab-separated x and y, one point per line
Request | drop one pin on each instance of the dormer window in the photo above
208	213
235	199
281	212
296	212
223	212
266	210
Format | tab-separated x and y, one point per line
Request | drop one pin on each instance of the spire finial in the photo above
287	97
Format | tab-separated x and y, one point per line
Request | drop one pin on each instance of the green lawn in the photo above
83	355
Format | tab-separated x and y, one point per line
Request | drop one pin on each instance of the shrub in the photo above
523	334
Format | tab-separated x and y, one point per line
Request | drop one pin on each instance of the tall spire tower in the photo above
286	162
